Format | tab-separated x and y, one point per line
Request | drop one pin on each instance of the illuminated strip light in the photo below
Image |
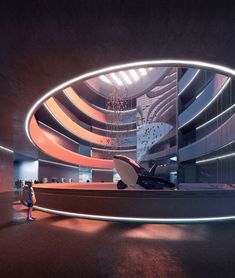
58	132
134	75
114	111
215	158
107	150
114	131
208	104
116	79
194	76
230	143
125	77
6	149
136	219
105	79
170	62
57	163
143	71
101	170
200	93
173	73
218	116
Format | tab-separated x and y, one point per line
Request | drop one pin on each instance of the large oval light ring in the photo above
85	76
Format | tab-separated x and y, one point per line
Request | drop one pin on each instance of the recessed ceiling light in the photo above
143	71
105	79
116	79
125	77
134	75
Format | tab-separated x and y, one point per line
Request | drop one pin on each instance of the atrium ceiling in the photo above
43	45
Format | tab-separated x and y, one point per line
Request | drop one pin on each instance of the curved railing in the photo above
48	146
212	91
79	131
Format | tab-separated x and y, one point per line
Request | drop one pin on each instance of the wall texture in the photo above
6	187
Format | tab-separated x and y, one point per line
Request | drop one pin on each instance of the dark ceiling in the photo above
44	43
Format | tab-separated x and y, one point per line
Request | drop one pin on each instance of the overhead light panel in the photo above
143	71
134	75
116	79
105	79
125	77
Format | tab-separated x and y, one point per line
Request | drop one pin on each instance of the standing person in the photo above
31	200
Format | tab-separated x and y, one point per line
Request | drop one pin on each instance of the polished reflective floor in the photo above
54	246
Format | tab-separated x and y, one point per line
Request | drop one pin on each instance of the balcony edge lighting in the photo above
6	149
208	104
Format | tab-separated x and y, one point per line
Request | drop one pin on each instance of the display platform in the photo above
102	201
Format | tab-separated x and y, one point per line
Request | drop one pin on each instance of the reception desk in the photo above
103	201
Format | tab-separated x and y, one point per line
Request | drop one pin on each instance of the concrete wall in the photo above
6	187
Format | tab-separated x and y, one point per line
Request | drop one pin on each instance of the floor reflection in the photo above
86	226
169	232
72	247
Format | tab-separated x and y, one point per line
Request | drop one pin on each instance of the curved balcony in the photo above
187	79
48	146
212	91
213	141
169	152
96	114
81	132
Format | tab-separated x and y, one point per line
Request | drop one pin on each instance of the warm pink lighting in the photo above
74	128
54	150
84	107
